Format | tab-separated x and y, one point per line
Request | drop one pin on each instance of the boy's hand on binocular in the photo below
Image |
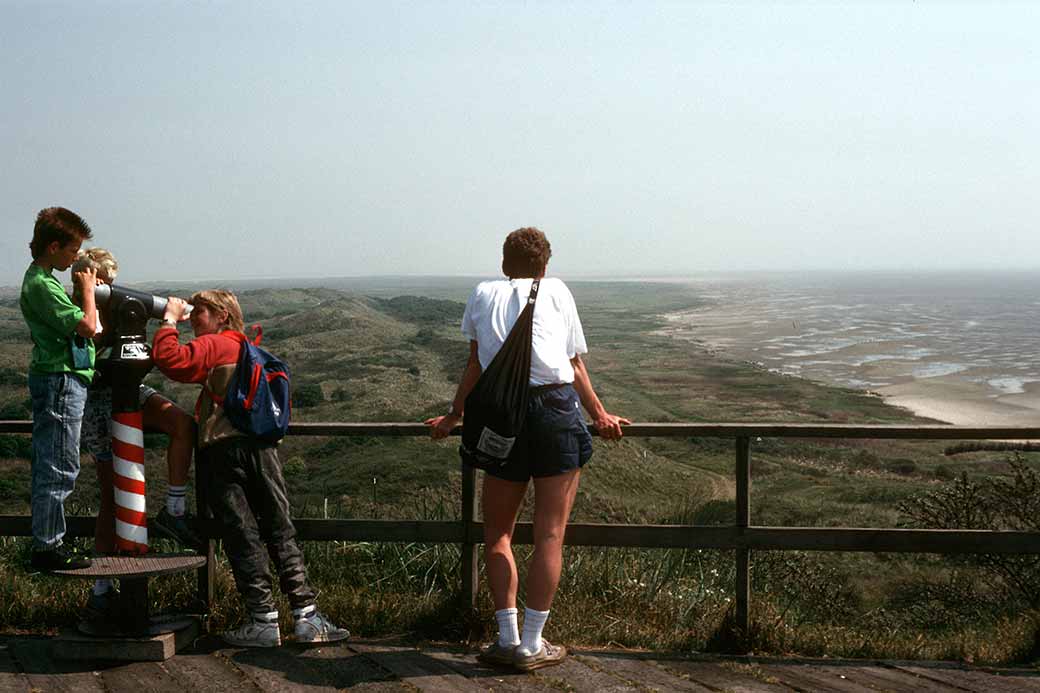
175	309
86	279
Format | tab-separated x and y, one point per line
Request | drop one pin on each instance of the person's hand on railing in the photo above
609	425
442	426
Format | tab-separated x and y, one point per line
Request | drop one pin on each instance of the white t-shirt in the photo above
495	305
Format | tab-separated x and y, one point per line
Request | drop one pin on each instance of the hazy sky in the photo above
226	139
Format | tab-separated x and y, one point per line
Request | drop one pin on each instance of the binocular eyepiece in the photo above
115	298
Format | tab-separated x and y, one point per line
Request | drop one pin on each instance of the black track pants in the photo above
246	493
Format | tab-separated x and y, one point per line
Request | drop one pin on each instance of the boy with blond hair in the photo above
242	475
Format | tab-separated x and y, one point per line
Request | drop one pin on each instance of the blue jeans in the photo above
57	404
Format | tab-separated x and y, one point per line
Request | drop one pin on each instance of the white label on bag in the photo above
494	445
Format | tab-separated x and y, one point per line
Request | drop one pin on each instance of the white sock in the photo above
508	630
265	617
304	612
101	586
175	500
531	640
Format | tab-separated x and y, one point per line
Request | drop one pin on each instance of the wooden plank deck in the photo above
26	664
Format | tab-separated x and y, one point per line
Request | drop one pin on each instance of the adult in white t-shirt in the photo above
551	449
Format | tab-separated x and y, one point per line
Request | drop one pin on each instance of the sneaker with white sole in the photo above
546	656
312	627
261	631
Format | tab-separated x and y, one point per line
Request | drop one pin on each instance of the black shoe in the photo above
101	617
177	529
102	606
61	557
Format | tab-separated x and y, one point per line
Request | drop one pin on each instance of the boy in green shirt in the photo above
62	366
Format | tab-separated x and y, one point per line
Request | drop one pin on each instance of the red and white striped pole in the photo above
128	465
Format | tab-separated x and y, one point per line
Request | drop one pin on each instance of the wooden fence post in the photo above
743	581
469	541
206	579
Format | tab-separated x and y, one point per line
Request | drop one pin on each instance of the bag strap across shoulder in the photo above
534	291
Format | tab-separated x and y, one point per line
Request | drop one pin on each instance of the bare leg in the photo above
163	415
501	503
553	499
105	527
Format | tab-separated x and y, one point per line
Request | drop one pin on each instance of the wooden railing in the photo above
741	537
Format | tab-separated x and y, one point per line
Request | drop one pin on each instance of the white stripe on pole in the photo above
128	434
132	532
128	469
130	501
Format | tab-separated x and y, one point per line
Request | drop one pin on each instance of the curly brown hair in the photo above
525	253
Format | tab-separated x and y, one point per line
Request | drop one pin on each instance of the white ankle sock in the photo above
304	612
265	617
508	630
103	585
175	500
531	640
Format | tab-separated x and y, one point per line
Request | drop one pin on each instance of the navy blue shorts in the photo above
554	439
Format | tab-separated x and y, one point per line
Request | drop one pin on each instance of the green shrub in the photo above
11	376
16	410
716	512
994	503
307	395
902	466
15	446
13	489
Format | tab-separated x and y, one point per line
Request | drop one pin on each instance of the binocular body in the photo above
111	297
130	358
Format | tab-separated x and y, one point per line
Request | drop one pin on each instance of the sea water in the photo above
875	330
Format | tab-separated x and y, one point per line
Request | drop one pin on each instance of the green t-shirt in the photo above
52	318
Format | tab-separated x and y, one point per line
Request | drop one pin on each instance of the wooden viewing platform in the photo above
383	666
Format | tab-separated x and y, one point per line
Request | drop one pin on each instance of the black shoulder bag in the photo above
496	407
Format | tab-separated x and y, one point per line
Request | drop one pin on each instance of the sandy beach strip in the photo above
963	404
915	374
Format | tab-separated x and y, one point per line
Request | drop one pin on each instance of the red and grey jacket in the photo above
210	361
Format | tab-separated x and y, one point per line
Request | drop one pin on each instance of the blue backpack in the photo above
258	400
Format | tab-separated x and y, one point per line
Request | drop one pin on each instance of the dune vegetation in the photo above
392	352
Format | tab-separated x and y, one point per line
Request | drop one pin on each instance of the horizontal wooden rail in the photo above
684	430
846	539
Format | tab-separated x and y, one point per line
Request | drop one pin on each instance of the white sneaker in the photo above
312	626
261	631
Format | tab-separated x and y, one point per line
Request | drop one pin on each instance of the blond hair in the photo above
219	300
99	260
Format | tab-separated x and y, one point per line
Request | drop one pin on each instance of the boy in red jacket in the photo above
242	475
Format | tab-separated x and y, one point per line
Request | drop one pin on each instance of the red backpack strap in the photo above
217	399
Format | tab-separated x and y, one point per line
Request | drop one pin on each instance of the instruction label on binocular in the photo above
133	352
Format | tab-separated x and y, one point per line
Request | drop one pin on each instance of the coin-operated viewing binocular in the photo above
130	360
126	316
